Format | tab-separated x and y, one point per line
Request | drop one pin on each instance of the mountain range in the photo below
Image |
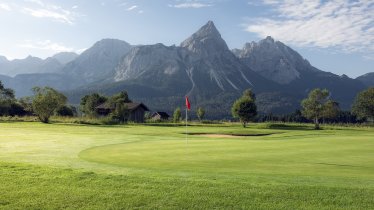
202	66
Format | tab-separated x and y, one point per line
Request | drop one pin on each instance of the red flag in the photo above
188	105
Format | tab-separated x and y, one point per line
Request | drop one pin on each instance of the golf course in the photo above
158	166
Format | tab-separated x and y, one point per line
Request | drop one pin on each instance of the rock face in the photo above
206	41
367	79
209	62
274	60
201	64
142	60
154	66
98	62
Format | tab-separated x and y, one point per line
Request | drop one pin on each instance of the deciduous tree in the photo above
245	108
66	111
90	102
118	101
120	113
6	99
318	106
363	106
45	101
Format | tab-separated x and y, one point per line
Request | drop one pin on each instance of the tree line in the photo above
316	107
47	102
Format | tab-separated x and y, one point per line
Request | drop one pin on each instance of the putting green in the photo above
321	157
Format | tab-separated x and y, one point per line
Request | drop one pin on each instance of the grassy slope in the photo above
152	167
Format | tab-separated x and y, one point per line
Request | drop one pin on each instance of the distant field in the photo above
265	166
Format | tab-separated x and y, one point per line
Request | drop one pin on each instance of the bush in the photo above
65	111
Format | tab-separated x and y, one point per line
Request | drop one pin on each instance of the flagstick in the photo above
186	127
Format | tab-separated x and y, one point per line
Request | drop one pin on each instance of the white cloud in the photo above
132	8
46	45
40	9
140	11
5	7
345	25
195	5
62	16
75	7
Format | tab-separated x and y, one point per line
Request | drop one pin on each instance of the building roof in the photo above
131	106
161	114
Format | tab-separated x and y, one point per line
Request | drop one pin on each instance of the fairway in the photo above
265	166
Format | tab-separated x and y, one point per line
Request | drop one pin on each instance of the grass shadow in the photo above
334	164
182	125
231	134
290	127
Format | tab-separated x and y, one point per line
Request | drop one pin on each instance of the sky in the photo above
335	36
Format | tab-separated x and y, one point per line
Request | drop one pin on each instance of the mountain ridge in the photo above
203	60
98	61
274	60
367	79
29	64
202	66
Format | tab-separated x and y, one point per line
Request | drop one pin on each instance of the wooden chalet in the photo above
160	116
136	110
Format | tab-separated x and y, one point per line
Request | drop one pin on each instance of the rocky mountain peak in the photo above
203	62
108	48
248	47
207	30
108	42
206	40
274	60
269	39
98	61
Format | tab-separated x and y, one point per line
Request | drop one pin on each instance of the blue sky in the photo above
336	36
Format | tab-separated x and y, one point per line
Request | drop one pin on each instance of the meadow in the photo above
221	166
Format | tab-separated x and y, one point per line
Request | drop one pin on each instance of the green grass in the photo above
291	166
